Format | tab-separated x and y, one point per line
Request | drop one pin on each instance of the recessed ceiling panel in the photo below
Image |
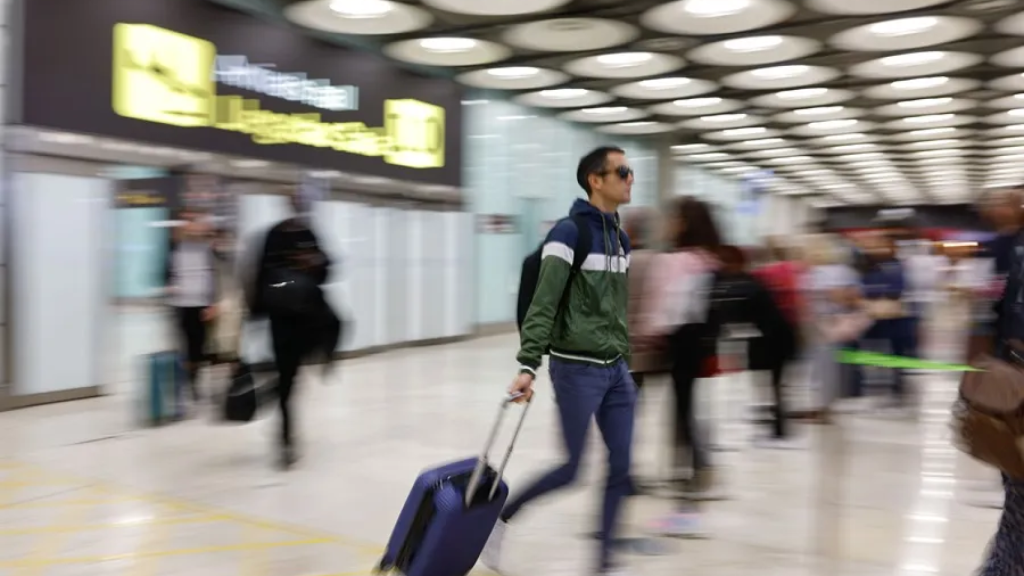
513	78
722	121
918	88
564	98
940	105
452	51
697	106
1014	83
869	7
911	64
754	50
804	98
1012	25
363	17
739	134
907	33
604	115
624	65
778	77
494	7
637	128
665	88
570	34
705	17
804	115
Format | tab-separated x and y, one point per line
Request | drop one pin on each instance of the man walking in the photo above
579	318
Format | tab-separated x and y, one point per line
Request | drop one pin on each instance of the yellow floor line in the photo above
206	509
251	546
51	543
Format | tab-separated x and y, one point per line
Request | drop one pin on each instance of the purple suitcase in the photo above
447	517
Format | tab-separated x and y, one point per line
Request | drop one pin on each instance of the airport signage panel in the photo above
191	74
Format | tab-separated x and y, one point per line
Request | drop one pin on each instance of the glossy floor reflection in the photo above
83	490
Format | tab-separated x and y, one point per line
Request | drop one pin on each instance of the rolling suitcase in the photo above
162	401
448	516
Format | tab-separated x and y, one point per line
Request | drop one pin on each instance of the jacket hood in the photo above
583	208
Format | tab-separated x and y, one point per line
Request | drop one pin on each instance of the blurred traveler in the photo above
760	306
681	282
783	276
1004	555
192	287
1004	210
885	287
227	328
648	355
288	289
832	289
580	320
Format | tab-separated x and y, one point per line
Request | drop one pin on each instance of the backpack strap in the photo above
584	241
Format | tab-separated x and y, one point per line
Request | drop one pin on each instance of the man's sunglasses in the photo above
624	172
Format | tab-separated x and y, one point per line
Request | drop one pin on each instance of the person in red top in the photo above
784	277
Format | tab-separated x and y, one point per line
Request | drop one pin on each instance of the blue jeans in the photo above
585	391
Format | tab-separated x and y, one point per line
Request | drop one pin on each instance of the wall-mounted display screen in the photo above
192	74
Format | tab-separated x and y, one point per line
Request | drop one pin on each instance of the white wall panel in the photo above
60	270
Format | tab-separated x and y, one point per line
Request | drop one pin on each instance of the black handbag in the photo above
291	293
245	396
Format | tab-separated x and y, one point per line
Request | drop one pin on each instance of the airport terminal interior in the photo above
819	207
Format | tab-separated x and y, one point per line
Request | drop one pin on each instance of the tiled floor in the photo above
84	491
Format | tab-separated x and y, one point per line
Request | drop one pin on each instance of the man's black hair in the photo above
594	163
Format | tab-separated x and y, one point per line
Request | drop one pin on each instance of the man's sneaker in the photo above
681	525
491	556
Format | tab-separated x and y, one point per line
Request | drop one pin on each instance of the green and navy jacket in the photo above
590	325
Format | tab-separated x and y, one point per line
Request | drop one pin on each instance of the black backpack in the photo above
531	268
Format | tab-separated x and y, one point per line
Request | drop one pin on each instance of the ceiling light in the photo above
780	72
764	142
932	131
844	137
1016	112
715	8
863	156
689	147
852	147
943	142
447	44
913	59
919	83
624	59
929	119
361	8
710	156
819	110
903	26
563	93
802	93
637	124
698	102
723	118
664	83
935	153
829	124
605	110
924	102
790	159
514	72
745	131
753	44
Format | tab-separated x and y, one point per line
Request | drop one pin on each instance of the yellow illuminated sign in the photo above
166	77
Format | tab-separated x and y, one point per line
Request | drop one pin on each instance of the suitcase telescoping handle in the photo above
481	465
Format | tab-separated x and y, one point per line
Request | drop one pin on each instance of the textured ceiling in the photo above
894	101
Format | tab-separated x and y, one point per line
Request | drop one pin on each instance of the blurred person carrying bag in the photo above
988	417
